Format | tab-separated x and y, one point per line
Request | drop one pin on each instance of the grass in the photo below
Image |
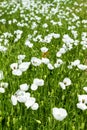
50	95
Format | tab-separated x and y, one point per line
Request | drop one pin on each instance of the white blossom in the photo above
50	66
81	106
59	113
44	49
24	87
35	106
36	61
38	82
34	87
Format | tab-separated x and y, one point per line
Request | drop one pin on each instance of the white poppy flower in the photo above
34	87
17	72
14	66
58	63
24	87
63	50
35	61
38	82
82	98
45	61
67	81
30	102
44	49
81	106
82	67
58	54
35	106
14	100
59	113
1	75
50	66
24	66
67	39
75	63
2	90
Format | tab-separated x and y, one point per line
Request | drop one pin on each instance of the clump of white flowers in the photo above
58	63
18	34
82	100
36	61
36	83
77	64
22	96
20	67
64	83
59	113
3	48
28	43
48	38
84	40
68	45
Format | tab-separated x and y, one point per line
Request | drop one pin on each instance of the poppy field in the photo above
43	65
